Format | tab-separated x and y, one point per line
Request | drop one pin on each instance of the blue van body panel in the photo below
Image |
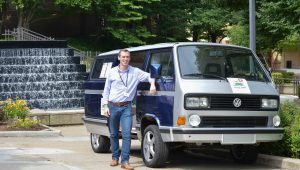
94	85
159	106
93	99
92	105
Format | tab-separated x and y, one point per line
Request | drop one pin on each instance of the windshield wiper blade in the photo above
239	76
215	76
205	75
194	75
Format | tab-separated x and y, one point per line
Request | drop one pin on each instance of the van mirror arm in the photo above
155	71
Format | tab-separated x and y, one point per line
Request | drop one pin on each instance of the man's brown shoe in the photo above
126	166
114	162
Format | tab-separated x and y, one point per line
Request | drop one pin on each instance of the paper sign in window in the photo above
105	70
239	85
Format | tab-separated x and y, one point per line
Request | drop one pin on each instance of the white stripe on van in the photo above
93	92
159	93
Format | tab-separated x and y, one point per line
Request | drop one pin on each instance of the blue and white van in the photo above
207	94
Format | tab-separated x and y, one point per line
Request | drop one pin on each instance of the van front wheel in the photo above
155	152
244	154
99	143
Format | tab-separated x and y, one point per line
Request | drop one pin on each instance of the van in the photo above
207	95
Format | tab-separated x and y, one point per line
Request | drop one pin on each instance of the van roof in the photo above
166	45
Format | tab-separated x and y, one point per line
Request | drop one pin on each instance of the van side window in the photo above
101	68
165	59
137	59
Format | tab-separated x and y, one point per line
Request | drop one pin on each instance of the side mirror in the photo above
155	70
87	74
270	71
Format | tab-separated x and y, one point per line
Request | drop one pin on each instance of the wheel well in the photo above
146	121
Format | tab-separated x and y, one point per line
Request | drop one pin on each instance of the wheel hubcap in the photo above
149	146
95	140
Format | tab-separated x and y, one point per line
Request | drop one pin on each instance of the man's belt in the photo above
119	103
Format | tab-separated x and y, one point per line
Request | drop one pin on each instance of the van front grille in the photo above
226	102
235	121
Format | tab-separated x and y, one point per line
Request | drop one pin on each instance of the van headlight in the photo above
269	103
196	102
194	120
276	120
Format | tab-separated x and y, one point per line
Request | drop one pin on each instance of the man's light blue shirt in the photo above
119	87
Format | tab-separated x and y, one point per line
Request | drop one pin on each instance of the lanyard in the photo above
126	78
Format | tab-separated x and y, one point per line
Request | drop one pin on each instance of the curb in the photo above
278	161
49	132
262	159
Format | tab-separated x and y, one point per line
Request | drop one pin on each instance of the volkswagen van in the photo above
207	95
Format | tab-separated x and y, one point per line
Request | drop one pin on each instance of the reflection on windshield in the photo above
207	62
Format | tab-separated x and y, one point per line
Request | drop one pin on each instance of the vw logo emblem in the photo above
237	102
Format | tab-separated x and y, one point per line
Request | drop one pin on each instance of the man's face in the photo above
124	58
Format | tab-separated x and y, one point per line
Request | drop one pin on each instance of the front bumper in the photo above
221	135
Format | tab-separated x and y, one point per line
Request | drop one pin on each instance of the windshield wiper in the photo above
239	76
248	77
205	75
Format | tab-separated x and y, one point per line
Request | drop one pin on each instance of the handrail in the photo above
21	34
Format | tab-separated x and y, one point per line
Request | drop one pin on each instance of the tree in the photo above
238	34
208	19
277	20
25	10
2	10
28	11
121	18
167	20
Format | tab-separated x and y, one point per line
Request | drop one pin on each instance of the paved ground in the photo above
72	151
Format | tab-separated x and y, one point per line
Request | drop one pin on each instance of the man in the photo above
119	91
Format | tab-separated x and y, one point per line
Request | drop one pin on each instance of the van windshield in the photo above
213	62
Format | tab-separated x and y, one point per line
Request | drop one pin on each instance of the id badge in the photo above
126	94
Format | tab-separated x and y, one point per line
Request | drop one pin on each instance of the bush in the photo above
290	144
15	108
287	76
277	78
24	123
298	91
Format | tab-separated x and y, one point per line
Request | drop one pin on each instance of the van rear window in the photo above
101	68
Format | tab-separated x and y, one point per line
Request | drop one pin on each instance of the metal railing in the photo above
21	34
86	57
287	86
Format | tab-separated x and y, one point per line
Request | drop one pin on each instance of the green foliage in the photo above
277	78
209	20
15	108
85	43
295	137
276	20
287	76
298	91
168	19
290	42
280	78
238	34
290	144
24	123
2	115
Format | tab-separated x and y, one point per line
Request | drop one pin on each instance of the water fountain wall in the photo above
44	73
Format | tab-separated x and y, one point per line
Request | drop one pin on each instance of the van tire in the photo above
99	143
244	154
159	148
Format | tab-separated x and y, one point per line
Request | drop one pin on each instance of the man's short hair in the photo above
123	50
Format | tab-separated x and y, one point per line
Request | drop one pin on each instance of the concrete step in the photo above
58	117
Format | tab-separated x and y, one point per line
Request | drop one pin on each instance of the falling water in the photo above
47	78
